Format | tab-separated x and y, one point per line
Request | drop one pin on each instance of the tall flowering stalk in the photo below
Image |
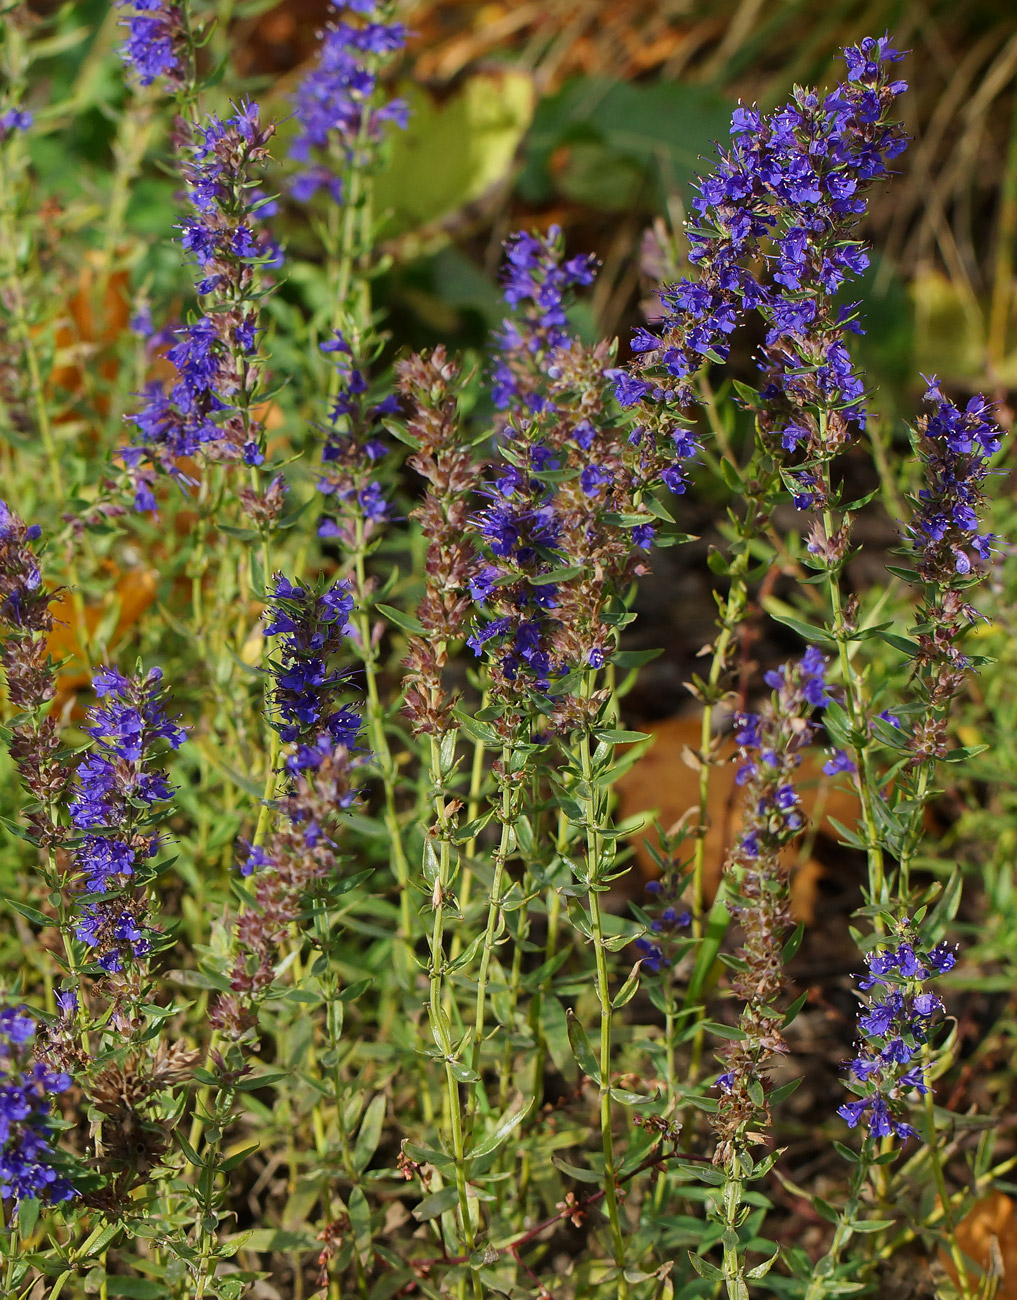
343	114
774	234
29	1165
569	521
891	1067
429	385
292	860
208	409
950	551
771	747
118	798
27	622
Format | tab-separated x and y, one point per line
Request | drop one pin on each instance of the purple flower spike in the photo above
116	798
894	1028
28	1160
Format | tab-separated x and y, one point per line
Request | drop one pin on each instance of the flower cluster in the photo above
894	1026
536	283
299	852
322	730
12	120
338	105
771	747
663	927
946	542
28	1168
430	385
117	796
954	447
208	407
567	520
311	627
27	623
786	196
352	449
156	44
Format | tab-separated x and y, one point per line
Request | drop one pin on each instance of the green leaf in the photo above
408	622
825	1210
724	1031
437	1203
872	1225
794	1008
947	904
564	574
761	1270
732	478
30	914
575	1171
370	1133
814	636
353	991
619	737
581	1049
428	1156
628	990
234	1161
141	1288
506	1125
627	1098
902	643
478	730
453	151
705	1269
28	1215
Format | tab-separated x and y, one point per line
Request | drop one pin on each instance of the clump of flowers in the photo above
430	385
29	1165
118	796
208	407
311	627
954	447
537	282
949	550
13	120
893	1029
663	927
156	44
772	743
301	849
567	522
338	105
27	622
786	197
353	447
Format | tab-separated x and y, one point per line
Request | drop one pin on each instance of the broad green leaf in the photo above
454	152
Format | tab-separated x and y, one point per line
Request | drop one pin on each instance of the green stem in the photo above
854	693
956	1254
824	1269
375	718
734	1272
599	853
506	843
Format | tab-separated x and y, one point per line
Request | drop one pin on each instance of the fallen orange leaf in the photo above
90	324
988	1235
